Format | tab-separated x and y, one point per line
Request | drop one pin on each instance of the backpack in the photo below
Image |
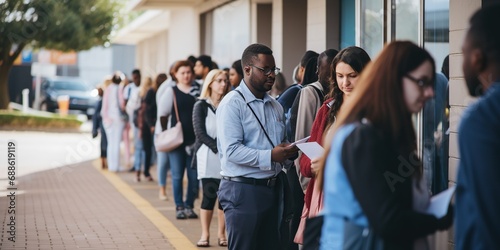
320	94
288	115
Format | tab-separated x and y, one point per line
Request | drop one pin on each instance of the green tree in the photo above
66	25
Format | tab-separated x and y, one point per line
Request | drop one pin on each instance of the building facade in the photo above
171	30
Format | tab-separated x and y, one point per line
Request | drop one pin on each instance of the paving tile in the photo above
83	210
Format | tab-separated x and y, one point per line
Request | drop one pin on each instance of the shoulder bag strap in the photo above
261	126
175	107
209	106
320	93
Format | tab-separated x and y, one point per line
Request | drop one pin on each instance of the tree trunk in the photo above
4	85
7	60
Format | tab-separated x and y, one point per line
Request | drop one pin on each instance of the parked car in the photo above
82	96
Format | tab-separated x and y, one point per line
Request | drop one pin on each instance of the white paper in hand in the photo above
312	149
300	141
439	203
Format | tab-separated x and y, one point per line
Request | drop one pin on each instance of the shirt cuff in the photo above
265	160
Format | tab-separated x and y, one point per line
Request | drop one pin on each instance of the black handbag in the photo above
360	238
312	232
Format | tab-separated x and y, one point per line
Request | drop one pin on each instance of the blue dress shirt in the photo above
243	147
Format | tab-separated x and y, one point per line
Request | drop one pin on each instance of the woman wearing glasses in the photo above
373	180
206	158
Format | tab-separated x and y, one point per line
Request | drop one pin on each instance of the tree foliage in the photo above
66	25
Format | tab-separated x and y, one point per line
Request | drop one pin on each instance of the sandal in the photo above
222	242
203	243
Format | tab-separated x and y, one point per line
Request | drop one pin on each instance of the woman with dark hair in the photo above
345	69
373	180
310	76
160	79
184	93
235	74
310	71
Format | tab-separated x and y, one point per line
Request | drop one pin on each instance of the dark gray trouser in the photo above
251	213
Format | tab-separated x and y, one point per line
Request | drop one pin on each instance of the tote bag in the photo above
171	138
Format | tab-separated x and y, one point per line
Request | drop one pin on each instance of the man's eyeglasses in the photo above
422	83
267	71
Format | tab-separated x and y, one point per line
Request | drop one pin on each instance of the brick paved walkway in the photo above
76	208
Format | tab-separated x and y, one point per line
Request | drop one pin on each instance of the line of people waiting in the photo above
370	187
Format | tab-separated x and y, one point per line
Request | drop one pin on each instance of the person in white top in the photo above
112	102
206	157
133	103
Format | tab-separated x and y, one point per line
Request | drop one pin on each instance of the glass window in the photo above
435	124
347	24
372	26
231	32
406	20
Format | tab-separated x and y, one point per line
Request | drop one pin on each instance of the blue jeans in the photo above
138	152
180	161
162	168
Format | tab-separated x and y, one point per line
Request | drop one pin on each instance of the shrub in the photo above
15	120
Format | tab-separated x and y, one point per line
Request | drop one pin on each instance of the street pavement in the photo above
61	199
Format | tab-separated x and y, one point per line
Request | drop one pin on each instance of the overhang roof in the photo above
156	17
162	4
150	23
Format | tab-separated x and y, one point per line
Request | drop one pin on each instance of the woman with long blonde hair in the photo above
207	161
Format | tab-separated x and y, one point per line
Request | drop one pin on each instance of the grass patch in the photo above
15	120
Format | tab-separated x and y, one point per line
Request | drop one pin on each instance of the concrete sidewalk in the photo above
85	207
58	171
79	209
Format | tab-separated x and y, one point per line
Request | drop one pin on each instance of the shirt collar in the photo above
249	97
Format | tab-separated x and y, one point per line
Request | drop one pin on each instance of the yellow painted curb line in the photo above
173	235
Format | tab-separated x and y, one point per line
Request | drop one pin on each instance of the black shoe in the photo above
132	169
190	213
180	215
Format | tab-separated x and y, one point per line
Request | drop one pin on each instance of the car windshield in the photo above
70	85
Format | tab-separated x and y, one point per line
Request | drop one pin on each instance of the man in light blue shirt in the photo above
253	151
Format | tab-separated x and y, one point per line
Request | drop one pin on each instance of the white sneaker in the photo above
162	197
